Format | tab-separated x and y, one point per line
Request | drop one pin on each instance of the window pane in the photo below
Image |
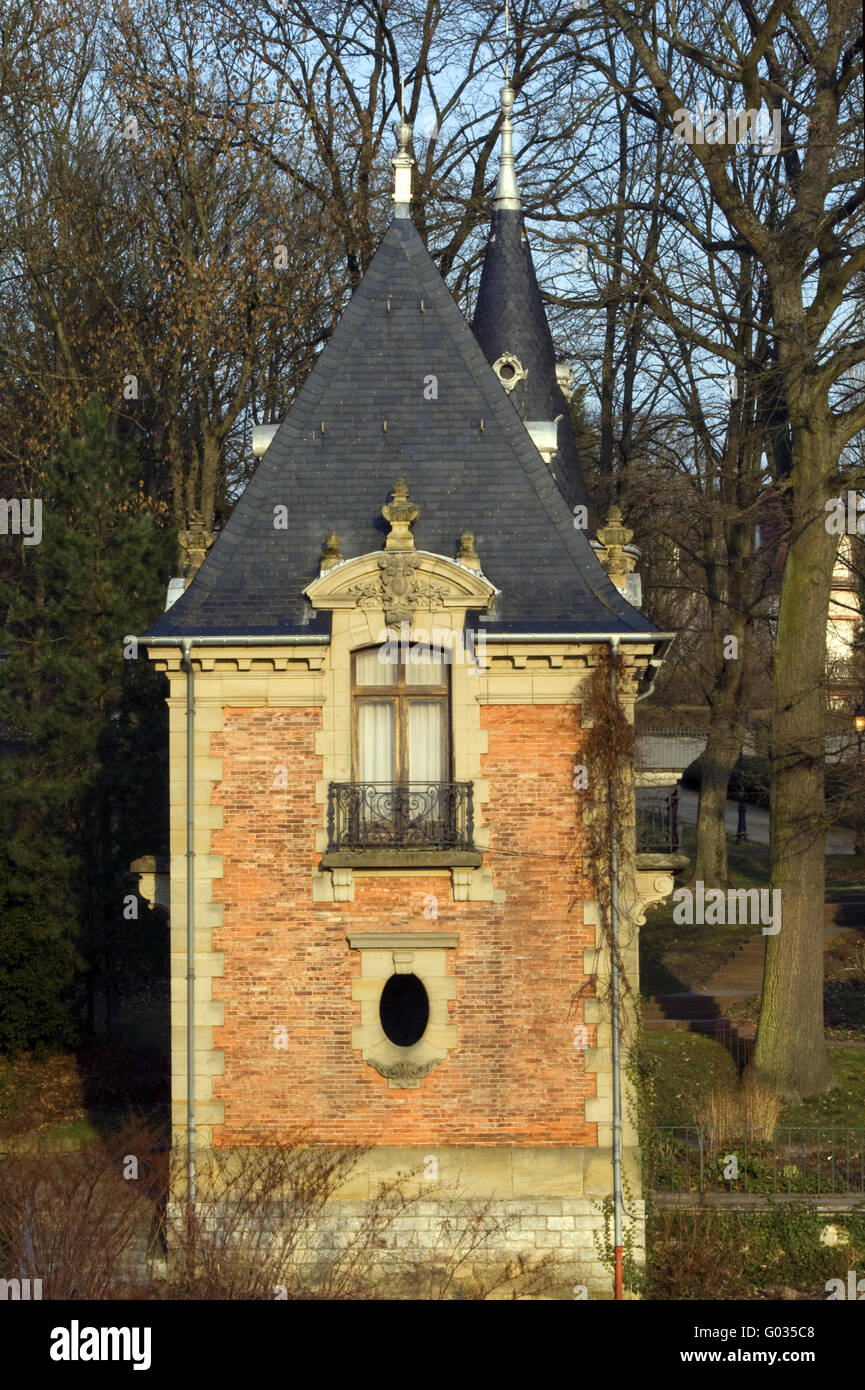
370	669
421	669
376	745
426	740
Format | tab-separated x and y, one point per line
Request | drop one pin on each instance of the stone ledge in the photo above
401	859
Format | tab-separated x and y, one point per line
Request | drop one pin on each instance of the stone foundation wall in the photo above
570	1230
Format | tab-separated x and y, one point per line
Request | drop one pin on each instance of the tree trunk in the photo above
716	765
791	1050
726	725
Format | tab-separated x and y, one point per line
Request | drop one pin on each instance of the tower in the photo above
377	682
511	326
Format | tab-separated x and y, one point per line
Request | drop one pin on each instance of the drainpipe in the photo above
614	981
186	663
657	663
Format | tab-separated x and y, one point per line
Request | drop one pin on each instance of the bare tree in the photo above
804	62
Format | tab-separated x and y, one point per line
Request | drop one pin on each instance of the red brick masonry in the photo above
515	1076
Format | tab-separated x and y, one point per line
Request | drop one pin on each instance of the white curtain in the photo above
426	741
369	669
376	741
421	670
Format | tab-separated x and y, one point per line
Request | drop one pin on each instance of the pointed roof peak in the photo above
463	461
507	192
511	326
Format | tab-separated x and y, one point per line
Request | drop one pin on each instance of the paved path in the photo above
838	841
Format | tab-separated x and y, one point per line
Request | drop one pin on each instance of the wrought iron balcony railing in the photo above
657	814
400	815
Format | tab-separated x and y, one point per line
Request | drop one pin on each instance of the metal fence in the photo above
822	1159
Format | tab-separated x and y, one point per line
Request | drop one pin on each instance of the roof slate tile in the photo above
492	482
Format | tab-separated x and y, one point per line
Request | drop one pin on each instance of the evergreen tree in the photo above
80	718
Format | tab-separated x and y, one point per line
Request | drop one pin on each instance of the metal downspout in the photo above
615	1010
186	663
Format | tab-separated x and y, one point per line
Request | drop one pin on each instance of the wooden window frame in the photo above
400	694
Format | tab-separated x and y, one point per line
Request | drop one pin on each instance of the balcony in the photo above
657	817
414	824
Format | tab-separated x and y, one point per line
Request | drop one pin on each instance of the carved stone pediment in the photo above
398	590
401	583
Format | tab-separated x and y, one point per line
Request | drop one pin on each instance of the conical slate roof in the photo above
509	318
401	353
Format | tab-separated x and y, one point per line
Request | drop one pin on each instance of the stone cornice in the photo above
206	660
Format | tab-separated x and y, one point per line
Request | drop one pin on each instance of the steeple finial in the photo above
507	193
402	161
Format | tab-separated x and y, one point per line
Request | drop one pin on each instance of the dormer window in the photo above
400	719
393	745
401	805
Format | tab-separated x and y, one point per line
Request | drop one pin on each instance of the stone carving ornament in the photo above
398	590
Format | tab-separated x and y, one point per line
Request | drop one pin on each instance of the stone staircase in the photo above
740	976
848	915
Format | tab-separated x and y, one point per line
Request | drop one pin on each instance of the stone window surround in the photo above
355	625
382	955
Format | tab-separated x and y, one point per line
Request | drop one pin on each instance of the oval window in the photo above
404	1010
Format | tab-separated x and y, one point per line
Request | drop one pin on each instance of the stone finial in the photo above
468	556
194	544
401	512
402	166
331	555
614	537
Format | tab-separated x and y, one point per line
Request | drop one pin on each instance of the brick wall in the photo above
515	1077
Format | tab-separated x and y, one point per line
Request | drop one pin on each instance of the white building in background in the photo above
844	669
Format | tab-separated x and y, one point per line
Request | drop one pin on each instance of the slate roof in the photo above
509	317
401	329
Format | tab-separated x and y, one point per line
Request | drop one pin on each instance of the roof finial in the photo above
402	161
507	193
401	512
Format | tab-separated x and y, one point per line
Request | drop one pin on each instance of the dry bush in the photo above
268	1224
692	1255
255	1214
72	1219
743	1107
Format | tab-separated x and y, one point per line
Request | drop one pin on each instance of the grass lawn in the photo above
681	1069
676	959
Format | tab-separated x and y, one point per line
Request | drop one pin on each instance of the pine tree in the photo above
82	717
